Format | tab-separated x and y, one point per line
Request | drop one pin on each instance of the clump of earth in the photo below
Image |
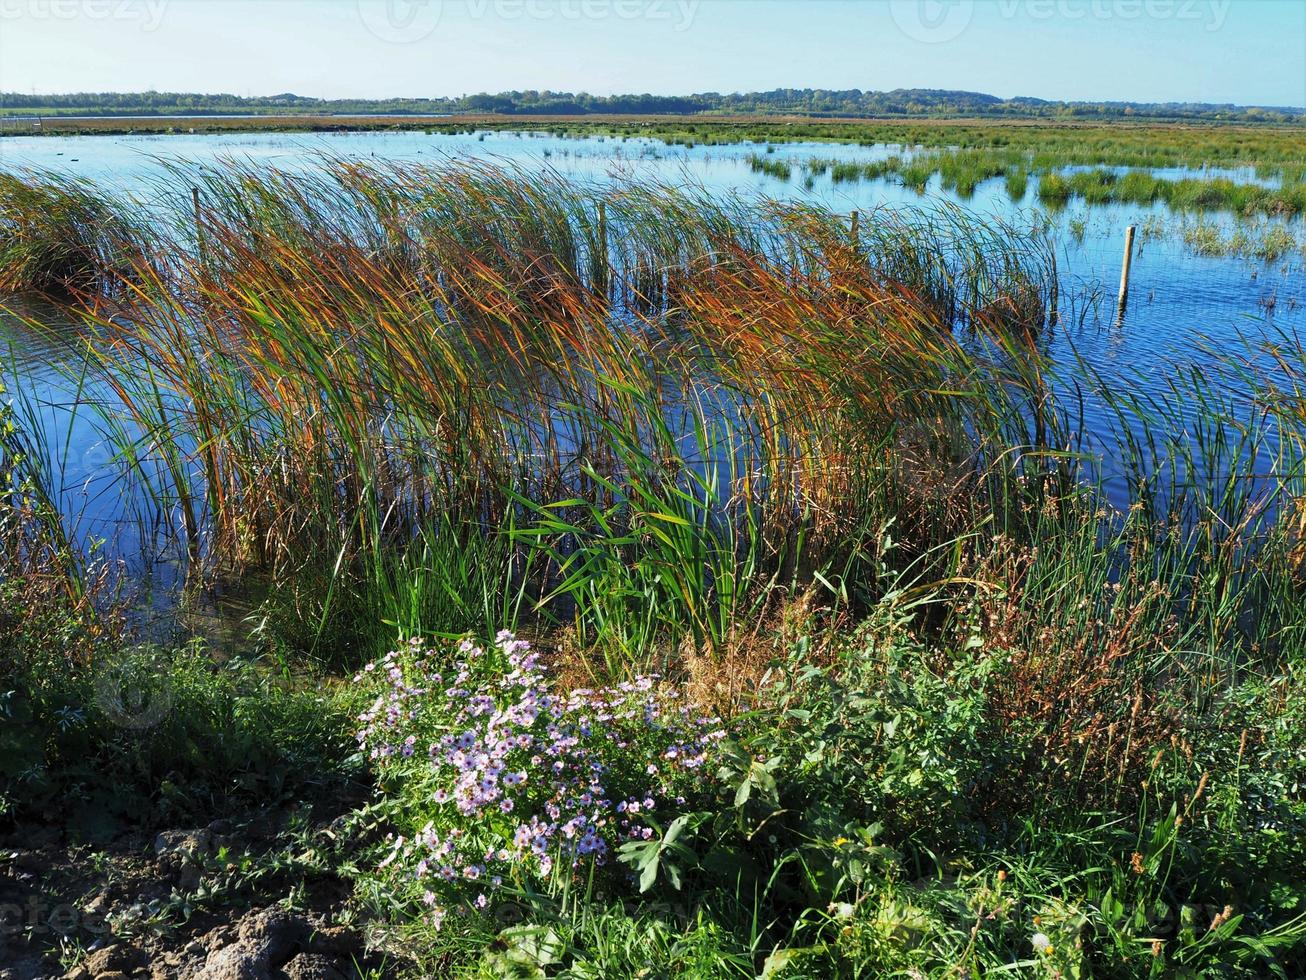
190	904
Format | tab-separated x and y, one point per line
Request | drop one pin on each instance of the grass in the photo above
505	275
60	236
1266	241
962	171
972	716
1070	160
1189	194
779	169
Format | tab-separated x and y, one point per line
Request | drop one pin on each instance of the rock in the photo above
112	975
313	966
119	958
274	931
30	861
44	835
98	904
218	936
183	845
233	963
264	940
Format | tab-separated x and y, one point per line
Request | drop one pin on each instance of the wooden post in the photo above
1124	269
854	231
199	222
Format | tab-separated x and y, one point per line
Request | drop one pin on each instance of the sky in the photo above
1241	51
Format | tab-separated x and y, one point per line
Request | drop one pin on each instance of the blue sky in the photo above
1245	51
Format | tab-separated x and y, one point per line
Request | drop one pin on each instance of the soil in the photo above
255	898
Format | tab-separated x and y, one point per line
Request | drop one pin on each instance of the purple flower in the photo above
492	713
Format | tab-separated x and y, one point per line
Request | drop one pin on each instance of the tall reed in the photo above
357	361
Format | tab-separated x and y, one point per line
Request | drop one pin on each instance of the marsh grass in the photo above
1272	149
62	236
365	368
1101	186
439	399
1061	177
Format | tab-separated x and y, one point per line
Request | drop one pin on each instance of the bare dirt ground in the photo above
251	898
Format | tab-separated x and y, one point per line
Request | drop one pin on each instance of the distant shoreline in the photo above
777	127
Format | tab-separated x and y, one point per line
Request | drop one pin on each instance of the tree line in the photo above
815	103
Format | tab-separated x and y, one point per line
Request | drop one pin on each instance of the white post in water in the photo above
1124	269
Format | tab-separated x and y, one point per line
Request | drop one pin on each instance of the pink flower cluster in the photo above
522	780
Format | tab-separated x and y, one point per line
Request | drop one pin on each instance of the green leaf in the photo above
650	872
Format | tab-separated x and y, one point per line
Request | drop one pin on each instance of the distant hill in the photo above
899	103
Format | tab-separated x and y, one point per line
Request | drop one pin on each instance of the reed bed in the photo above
62	236
429	399
962	171
438	398
1272	149
1100	186
350	363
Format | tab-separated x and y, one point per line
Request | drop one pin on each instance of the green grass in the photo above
963	171
779	169
1188	194
450	317
59	236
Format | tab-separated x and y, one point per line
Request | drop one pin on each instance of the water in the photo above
1176	297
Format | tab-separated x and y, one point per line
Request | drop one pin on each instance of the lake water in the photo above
1177	296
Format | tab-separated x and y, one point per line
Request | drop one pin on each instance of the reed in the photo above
1100	186
1272	149
365	360
963	171
779	169
61	236
666	428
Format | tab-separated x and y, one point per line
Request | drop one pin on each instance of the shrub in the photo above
507	783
